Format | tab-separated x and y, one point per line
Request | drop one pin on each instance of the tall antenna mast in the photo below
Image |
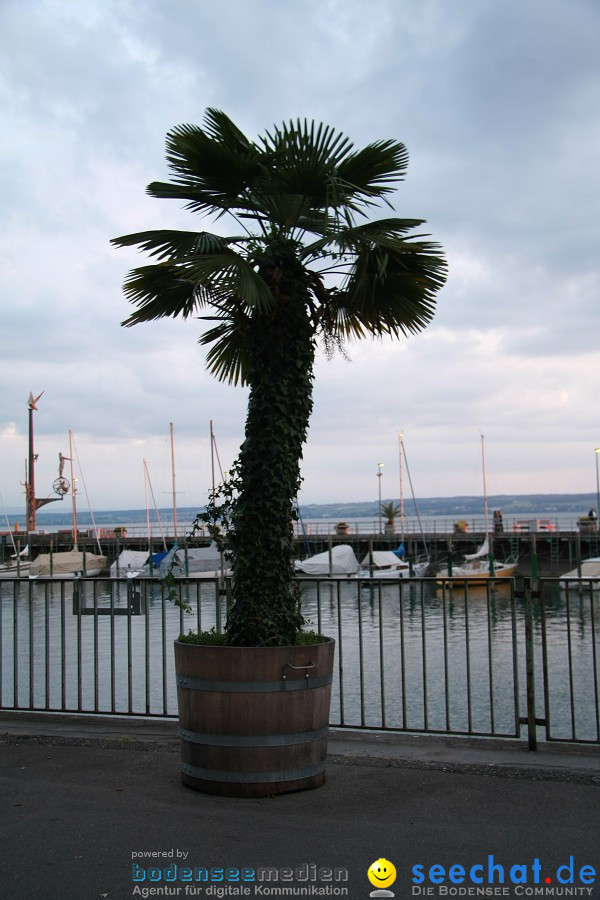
485	496
173	477
147	506
400	450
73	491
212	455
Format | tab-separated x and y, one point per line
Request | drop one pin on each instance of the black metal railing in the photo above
504	658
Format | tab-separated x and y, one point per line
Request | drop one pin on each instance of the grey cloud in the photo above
498	105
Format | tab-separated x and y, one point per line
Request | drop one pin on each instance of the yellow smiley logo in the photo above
382	873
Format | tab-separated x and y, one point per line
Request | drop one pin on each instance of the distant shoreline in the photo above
459	507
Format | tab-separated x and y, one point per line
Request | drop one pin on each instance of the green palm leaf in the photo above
226	275
228	358
375	170
392	291
349	240
212	167
184	286
159	291
165	244
302	181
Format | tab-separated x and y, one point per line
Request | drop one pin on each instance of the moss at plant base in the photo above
215	639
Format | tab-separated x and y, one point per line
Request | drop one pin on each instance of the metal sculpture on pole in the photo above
60	486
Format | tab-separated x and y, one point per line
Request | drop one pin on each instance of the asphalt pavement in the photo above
93	807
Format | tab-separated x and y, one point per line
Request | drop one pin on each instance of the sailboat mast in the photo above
157	513
212	455
73	491
485	496
400	445
147	505
173	477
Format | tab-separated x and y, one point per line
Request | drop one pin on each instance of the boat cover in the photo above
383	559
69	562
130	561
342	562
590	568
199	559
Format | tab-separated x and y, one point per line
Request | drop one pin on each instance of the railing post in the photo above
529	667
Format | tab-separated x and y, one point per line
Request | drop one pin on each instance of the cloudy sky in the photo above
498	103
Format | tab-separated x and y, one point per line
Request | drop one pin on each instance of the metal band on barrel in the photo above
251	777
251	687
260	740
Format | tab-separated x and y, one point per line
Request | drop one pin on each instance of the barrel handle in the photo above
310	665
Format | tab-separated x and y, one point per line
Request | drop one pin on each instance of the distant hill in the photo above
510	504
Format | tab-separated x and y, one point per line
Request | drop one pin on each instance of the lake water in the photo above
325	526
409	655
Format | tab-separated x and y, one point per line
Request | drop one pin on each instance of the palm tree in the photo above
306	265
390	509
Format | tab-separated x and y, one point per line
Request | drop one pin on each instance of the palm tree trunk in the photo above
281	347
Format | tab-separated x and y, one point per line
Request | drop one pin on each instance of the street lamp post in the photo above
379	474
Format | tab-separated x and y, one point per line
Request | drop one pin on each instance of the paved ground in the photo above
80	797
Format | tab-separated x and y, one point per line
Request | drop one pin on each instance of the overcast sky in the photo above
498	103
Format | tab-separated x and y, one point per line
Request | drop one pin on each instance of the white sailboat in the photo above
480	566
386	564
421	564
392	563
135	563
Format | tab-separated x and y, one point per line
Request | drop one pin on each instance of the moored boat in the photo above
586	576
480	566
339	560
387	564
67	564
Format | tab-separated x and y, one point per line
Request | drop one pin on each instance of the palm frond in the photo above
374	170
228	358
303	183
181	287
382	232
219	127
228	274
282	208
159	292
303	158
306	145
390	292
166	244
212	166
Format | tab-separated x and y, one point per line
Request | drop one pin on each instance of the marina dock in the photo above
552	552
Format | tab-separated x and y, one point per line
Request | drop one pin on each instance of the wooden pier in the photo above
552	552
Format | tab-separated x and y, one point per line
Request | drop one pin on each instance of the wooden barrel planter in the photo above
253	720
